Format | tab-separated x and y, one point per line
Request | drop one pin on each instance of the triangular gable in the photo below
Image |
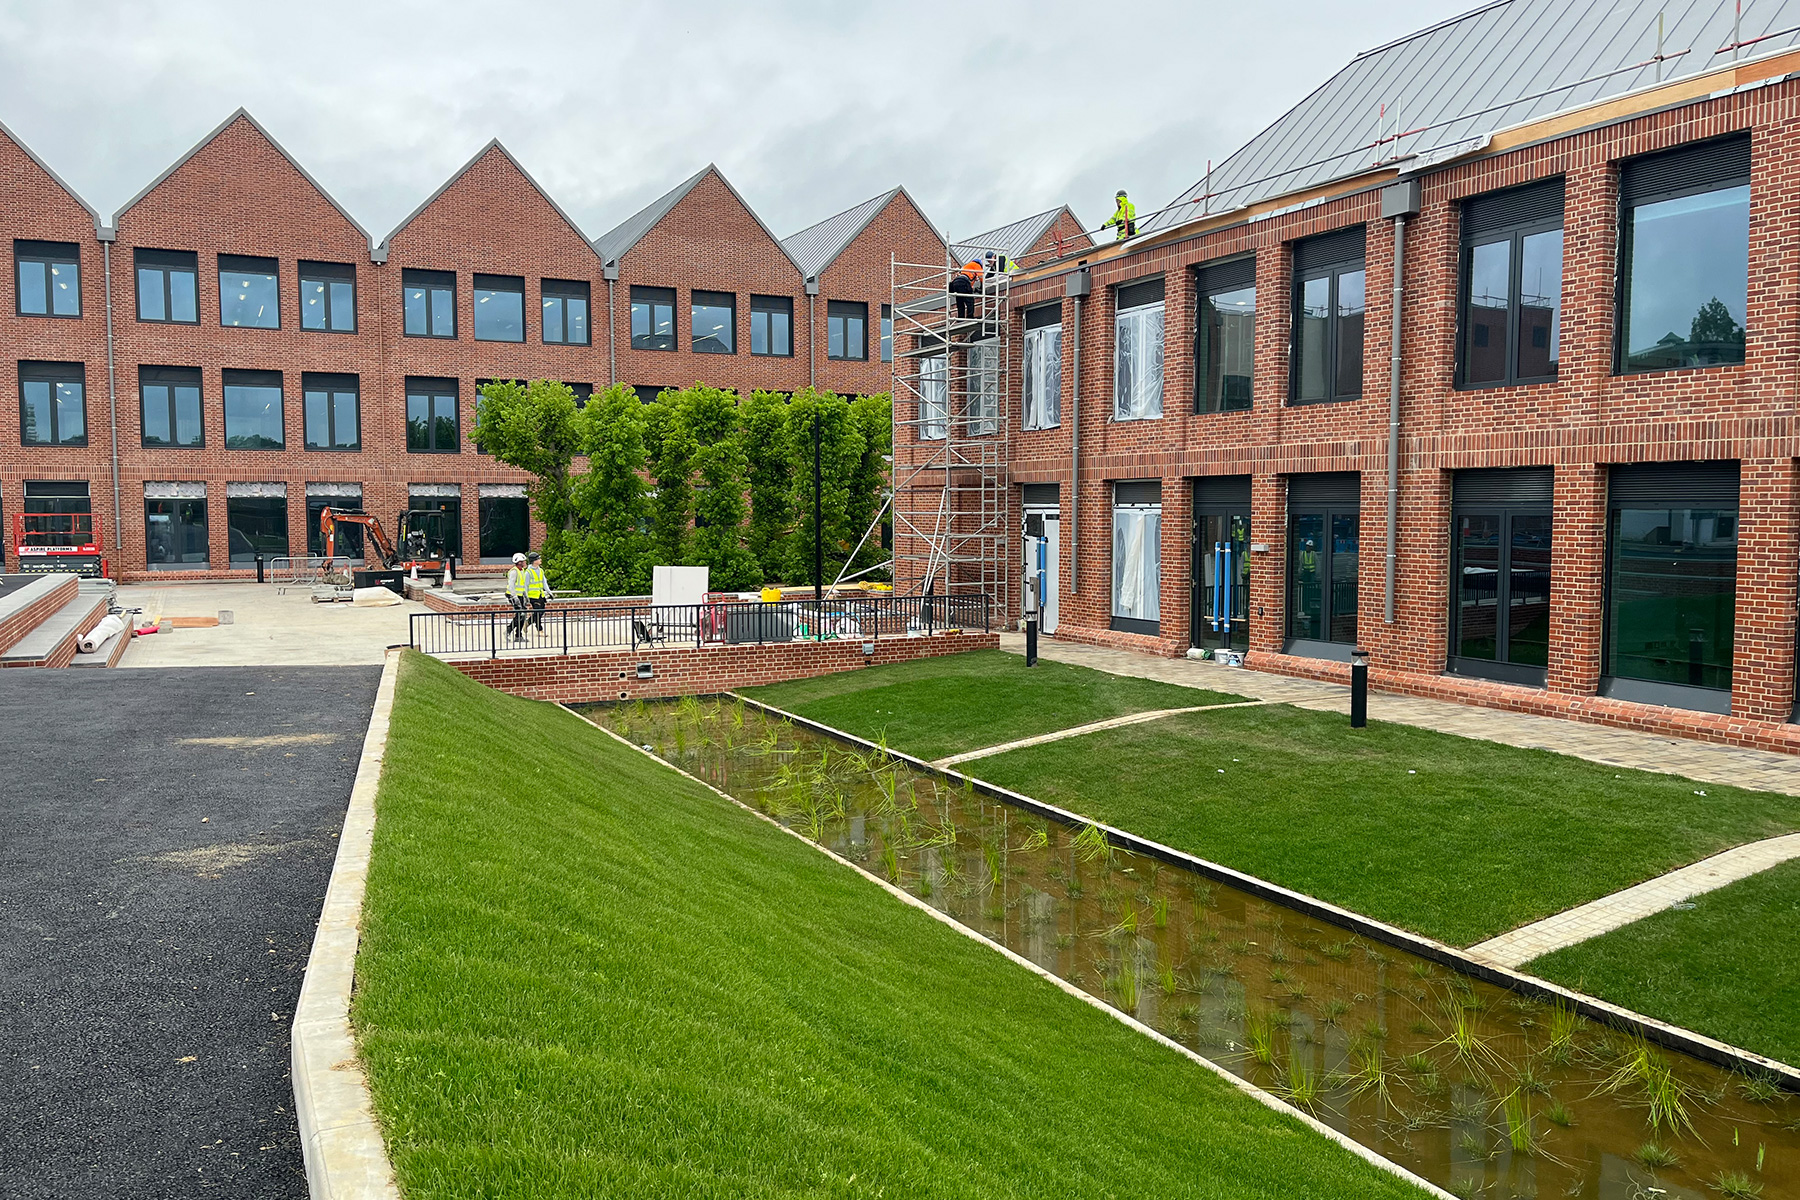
54	177
494	145
816	247
616	243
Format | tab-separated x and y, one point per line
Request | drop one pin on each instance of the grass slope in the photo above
1483	838
1730	968
582	975
939	706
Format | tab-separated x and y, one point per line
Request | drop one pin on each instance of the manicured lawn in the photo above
1730	968
939	706
582	975
1483	838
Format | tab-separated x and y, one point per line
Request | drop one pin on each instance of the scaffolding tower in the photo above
952	534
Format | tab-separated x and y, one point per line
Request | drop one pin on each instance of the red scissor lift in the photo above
59	543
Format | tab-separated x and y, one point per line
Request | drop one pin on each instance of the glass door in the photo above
1221	619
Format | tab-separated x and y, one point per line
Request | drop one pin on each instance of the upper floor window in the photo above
772	325
1138	352
934	398
328	296
49	278
1329	287
249	294
714	328
1042	366
887	333
52	404
499	308
169	398
846	329
333	411
253	411
168	286
1512	249
1684	256
565	312
430	303
431	416
1225	337
652	318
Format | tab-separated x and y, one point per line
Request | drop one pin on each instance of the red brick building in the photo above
1593	389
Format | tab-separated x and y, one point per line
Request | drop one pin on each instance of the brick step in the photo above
53	642
28	601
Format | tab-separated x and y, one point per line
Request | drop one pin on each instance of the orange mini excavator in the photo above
422	543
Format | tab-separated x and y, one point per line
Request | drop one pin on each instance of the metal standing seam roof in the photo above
818	246
616	242
1450	85
1014	240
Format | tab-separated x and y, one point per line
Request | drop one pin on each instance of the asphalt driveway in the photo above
166	837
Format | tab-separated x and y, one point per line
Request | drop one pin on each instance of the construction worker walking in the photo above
1125	217
537	590
515	596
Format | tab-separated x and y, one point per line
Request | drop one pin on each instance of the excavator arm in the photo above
330	519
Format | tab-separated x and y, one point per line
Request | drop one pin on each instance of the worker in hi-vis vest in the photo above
515	596
1125	217
537	590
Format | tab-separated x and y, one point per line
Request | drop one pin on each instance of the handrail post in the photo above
493	637
565	625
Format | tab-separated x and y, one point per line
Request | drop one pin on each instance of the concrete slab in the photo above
267	628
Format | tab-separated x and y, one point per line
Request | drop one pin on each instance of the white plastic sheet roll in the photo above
94	638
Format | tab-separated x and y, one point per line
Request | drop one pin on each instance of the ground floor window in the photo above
1324	540
1137	557
505	521
1671	583
1500	574
348	542
175	537
58	512
447	499
256	521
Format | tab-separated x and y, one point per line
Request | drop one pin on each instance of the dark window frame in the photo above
771	306
849	310
53	373
564	290
431	282
333	384
263	265
312	271
436	389
243	378
1221	279
1501	667
1333	270
725	300
48	255
653	298
887	333
170	378
165	263
496	285
248	559
1514	234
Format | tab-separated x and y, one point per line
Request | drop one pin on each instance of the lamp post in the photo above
818	517
1359	688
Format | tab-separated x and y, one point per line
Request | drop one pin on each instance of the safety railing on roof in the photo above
565	630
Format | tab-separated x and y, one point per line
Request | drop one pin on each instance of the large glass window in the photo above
1042	367
48	275
1500	574
505	521
887	333
52	404
652	318
328	296
772	325
1685	257
1323	544
1138	352
934	398
714	323
249	292
1512	256
339	497
253	411
846	329
255	521
447	499
1137	558
168	286
984	390
431	417
333	411
170	402
1225	337
62	512
175	527
565	304
430	302
1329	300
499	308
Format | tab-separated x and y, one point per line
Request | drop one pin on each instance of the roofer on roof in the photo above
1125	217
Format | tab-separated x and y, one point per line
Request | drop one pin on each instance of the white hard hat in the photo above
518	558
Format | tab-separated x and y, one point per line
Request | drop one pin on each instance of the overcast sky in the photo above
985	111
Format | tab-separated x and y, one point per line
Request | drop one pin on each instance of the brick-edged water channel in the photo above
1479	1089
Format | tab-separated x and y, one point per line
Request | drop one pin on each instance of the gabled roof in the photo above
616	242
493	144
1014	240
242	114
1449	86
818	246
58	179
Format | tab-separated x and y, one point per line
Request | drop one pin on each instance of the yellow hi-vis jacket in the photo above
515	583
536	586
1125	217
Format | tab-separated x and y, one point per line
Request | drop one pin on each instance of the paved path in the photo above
267	629
1155	714
1635	903
1706	761
165	841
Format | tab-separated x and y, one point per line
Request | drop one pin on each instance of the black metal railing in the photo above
567	628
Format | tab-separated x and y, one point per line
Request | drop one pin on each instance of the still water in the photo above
1481	1090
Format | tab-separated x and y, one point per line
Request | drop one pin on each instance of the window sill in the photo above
410	450
1135	625
518	341
1222	412
654	349
571	345
1628	374
54	316
1499	672
1501	385
167	446
309	329
1311	648
1118	420
1041	428
1293	403
357	449
431	337
154	321
1667	695
263	328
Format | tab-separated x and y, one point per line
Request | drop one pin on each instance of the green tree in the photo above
709	427
534	427
670	457
840	449
874	419
612	555
1714	328
763	421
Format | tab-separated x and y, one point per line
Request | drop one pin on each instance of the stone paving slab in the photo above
1635	903
1708	762
1138	718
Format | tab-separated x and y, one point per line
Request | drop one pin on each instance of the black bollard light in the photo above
259	569
1031	622
1359	688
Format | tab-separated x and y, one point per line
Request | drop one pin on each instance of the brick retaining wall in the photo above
30	617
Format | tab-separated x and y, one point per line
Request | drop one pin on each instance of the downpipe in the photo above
1398	201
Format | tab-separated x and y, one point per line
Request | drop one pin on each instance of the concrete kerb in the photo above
1675	1037
1267	1099
346	1158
